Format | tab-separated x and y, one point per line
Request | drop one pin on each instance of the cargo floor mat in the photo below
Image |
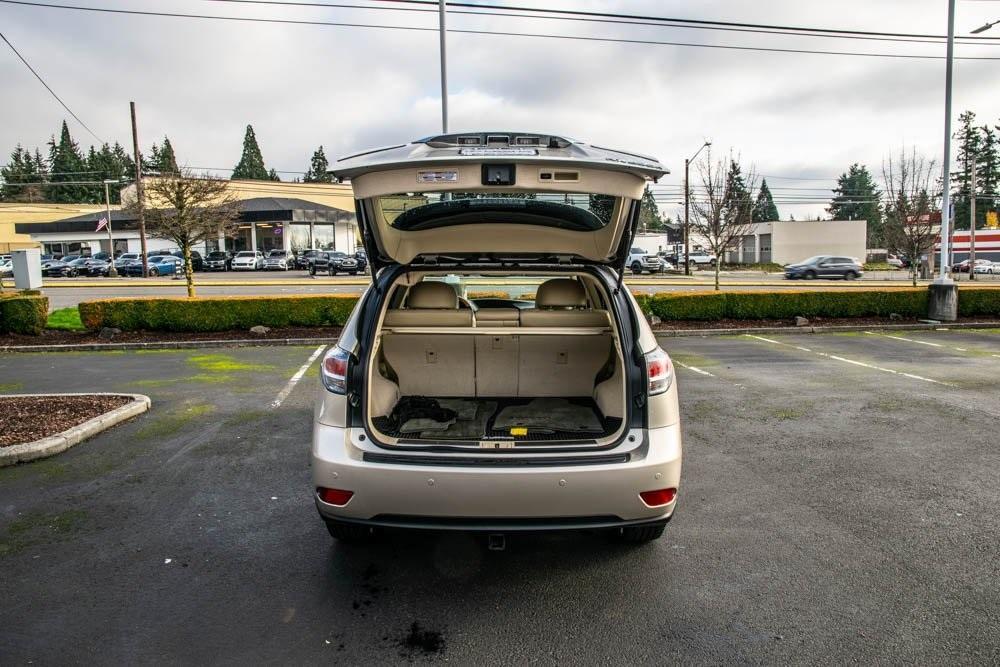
554	415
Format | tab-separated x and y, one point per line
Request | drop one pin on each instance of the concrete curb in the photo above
171	345
677	333
60	442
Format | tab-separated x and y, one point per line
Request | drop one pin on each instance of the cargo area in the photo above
447	370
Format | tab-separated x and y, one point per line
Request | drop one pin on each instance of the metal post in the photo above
946	196
140	202
442	34
972	222
687	221
112	272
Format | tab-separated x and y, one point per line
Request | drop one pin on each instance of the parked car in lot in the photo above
218	260
248	260
987	267
639	261
825	266
61	269
96	267
421	425
158	265
963	266
333	262
6	267
278	260
362	260
303	259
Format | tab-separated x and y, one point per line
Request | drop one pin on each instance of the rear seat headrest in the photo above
560	293
432	295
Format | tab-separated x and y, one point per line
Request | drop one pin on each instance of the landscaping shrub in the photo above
216	314
785	304
978	301
23	313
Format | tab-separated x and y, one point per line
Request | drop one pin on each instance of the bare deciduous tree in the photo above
189	209
910	224
723	215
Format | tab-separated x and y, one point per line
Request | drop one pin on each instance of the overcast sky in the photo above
790	115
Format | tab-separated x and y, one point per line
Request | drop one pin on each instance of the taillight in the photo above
659	497
334	370
334	496
659	370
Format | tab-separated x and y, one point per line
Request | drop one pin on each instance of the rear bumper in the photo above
526	497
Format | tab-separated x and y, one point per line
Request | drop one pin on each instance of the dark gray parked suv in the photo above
825	266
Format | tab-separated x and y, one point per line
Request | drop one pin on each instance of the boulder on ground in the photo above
107	333
801	321
895	316
259	330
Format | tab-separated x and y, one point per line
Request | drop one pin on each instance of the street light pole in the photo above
442	34
687	205
972	222
112	272
946	195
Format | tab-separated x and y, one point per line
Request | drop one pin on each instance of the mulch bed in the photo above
28	418
672	325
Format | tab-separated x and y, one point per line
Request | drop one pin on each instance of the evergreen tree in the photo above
736	193
317	168
273	176
764	209
23	167
856	197
969	142
66	165
649	213
161	160
988	174
251	164
108	163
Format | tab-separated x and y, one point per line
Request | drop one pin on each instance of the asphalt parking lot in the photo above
838	505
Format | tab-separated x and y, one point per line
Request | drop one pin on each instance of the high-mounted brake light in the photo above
660	371
334	370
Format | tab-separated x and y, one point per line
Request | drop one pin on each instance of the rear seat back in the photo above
564	365
431	364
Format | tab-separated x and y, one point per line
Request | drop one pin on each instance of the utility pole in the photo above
946	196
442	33
687	221
140	201
112	271
972	222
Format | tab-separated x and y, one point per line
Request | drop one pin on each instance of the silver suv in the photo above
497	376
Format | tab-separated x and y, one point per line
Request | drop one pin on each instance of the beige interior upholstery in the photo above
498	317
562	302
431	364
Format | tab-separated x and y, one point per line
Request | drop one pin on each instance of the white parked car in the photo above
248	260
6	268
550	408
279	260
639	260
990	267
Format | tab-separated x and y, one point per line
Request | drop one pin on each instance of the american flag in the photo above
101	224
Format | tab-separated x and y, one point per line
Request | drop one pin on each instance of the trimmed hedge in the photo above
226	313
216	314
23	313
786	304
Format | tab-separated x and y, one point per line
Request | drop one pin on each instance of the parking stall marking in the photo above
283	394
693	368
852	361
924	342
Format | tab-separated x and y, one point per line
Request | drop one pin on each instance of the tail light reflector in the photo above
335	496
334	370
659	371
659	497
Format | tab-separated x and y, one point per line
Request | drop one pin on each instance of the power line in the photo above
492	32
49	88
679	20
645	21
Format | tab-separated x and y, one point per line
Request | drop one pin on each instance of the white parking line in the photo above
692	368
851	361
921	342
283	394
